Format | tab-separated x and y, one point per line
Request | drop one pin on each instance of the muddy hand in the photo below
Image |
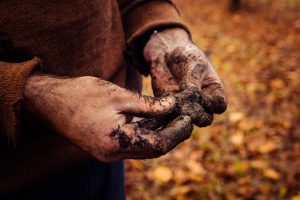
177	64
91	113
140	143
192	69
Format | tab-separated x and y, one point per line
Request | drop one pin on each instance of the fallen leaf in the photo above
271	174
136	164
277	84
282	191
259	164
196	178
253	144
240	167
180	190
236	116
180	177
267	147
195	167
246	124
237	139
163	174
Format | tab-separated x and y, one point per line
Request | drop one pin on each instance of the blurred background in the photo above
253	150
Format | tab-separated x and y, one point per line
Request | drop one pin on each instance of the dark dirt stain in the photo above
141	143
122	137
136	140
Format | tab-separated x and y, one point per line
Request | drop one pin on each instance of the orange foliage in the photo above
253	150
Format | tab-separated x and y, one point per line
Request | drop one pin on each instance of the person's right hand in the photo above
90	112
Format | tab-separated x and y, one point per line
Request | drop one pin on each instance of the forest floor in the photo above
252	151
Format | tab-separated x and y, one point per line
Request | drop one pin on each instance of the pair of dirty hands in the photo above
92	113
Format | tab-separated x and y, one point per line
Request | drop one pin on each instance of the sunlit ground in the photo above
253	150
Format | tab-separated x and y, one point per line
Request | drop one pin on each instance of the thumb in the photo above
146	106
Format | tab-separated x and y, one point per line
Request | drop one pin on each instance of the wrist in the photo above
41	92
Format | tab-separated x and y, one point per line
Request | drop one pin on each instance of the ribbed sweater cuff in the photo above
12	81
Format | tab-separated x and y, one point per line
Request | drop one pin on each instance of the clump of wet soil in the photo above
189	102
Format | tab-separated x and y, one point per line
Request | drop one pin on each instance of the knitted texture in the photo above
12	80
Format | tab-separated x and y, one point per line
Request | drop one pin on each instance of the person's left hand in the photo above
177	64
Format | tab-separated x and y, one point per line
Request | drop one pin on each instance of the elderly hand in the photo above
91	113
177	64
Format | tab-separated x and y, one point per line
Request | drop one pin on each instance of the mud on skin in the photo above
125	141
143	143
188	102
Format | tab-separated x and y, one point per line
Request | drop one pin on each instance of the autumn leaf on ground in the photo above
163	174
271	174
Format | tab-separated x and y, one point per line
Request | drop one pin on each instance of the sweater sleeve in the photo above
12	80
140	18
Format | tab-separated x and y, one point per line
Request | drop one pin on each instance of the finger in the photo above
214	94
146	106
163	82
140	143
203	119
199	116
214	103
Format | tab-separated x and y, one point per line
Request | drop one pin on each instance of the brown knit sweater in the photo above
65	38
